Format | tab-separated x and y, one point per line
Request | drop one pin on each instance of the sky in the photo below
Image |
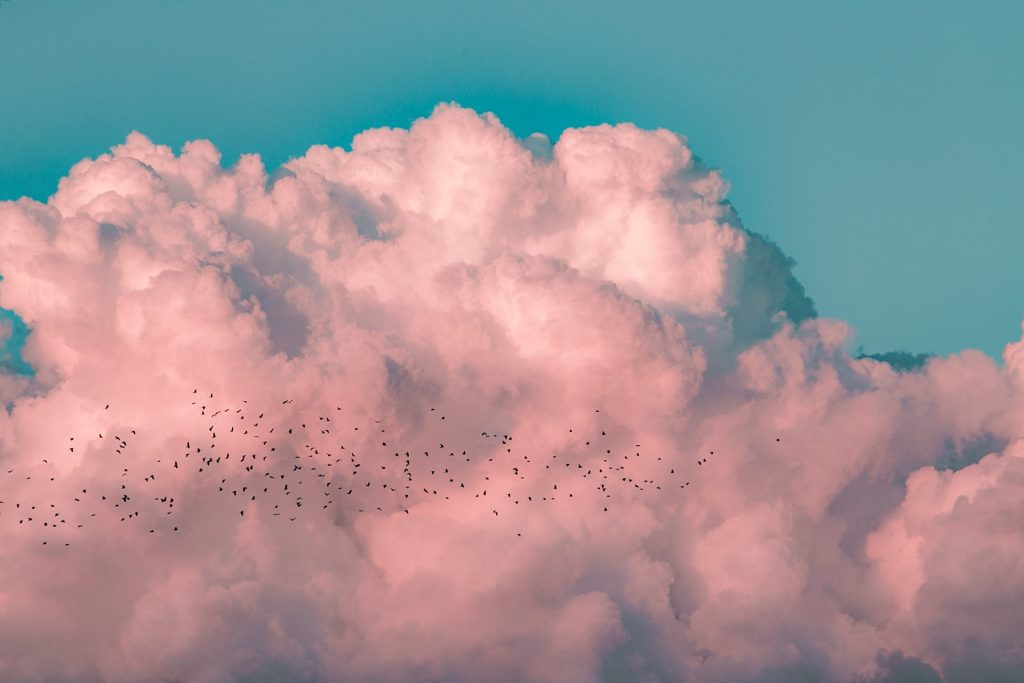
877	143
414	394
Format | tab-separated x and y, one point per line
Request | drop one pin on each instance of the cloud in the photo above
537	296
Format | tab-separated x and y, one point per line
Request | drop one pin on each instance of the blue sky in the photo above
878	143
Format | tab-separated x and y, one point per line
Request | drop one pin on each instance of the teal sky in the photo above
879	144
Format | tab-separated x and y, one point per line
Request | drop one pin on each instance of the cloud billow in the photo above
602	283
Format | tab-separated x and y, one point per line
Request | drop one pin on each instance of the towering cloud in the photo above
843	521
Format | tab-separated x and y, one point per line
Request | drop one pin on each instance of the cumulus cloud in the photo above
846	520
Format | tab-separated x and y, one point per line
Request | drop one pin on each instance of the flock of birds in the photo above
288	466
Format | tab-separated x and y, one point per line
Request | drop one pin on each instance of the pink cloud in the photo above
602	293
